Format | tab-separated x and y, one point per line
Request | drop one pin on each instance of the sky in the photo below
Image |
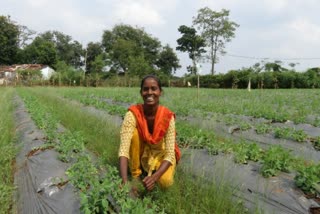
285	30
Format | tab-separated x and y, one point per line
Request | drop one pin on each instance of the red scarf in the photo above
161	124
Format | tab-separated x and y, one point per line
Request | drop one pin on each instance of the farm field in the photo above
244	152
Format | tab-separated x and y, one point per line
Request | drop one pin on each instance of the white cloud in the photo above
138	13
38	3
305	30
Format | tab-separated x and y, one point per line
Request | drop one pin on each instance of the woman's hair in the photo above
152	77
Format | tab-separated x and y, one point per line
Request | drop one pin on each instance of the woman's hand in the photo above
149	182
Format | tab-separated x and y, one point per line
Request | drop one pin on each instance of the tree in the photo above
40	51
192	43
68	50
94	49
9	40
125	43
25	35
168	61
217	30
138	66
122	51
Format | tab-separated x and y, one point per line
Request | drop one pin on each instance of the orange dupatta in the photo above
161	124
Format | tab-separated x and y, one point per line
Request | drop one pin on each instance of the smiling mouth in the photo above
150	99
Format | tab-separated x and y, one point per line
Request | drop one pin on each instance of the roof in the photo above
12	68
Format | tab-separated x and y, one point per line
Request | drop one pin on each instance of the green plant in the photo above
70	144
307	178
299	135
316	143
274	160
241	153
8	149
83	173
284	132
263	128
244	126
254	152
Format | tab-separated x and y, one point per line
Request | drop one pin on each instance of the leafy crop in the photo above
274	160
70	143
263	128
247	151
307	178
291	133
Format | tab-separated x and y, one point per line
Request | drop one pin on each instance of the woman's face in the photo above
150	92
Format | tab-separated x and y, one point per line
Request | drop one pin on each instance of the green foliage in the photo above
125	44
168	61
247	151
82	173
192	43
299	135
274	160
70	144
316	143
189	136
216	29
67	75
290	133
9	40
29	75
138	66
308	178
68	50
94	50
8	149
283	132
263	128
40	51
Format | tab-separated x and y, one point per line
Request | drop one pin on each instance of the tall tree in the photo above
68	50
9	40
192	43
124	44
25	35
125	41
168	61
217	30
40	51
94	49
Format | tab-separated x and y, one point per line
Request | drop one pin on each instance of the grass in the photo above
102	137
7	149
197	194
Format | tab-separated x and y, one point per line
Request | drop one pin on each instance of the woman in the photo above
148	139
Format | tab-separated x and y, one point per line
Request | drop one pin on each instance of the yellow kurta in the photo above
152	154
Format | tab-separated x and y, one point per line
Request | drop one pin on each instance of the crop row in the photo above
299	106
273	160
97	190
112	107
99	137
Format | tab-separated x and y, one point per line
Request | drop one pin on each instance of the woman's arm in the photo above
149	181
126	133
124	169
